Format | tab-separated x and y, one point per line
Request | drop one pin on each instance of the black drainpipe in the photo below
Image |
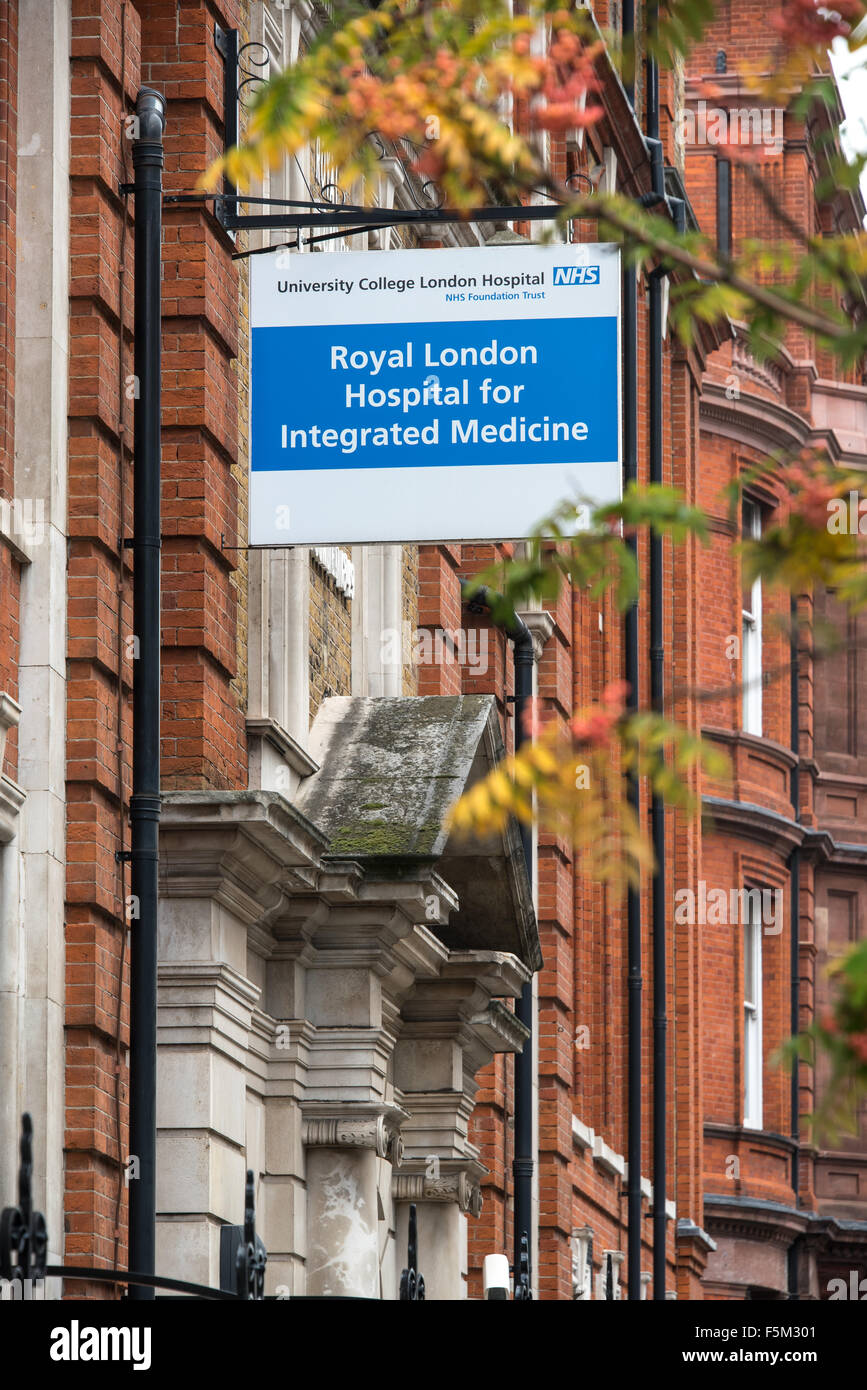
631	675
522	1167
656	330
633	895
147	158
794	926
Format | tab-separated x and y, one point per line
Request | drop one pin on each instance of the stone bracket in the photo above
362	1130
449	1185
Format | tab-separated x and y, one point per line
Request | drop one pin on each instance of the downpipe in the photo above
524	1162
147	158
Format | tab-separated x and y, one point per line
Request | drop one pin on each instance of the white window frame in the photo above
753	1039
751	633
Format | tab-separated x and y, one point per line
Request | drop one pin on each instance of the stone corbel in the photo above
343	1133
379	1132
448	1186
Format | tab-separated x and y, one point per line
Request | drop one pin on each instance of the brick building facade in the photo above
315	1019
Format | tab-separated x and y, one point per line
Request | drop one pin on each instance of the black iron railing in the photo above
24	1247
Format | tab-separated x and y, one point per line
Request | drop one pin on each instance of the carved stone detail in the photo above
448	1187
348	1133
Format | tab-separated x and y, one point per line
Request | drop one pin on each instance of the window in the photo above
751	632
752	1011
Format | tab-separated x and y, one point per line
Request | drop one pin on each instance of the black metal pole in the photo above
147	156
656	330
630	671
633	896
657	812
657	806
794	929
522	1166
523	1163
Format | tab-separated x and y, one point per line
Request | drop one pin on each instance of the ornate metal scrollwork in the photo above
411	1282
579	182
23	1233
251	1258
326	186
425	193
249	79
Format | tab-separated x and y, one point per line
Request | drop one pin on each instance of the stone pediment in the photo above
389	769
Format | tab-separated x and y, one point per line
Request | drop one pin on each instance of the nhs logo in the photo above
576	275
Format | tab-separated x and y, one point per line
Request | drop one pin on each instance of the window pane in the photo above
751	529
749	963
751	633
752	944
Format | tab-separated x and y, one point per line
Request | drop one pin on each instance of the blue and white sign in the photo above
431	395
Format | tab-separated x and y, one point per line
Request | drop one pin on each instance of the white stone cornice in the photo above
421	954
499	973
458	995
376	914
415	893
207	977
499	1029
243	850
206	1004
270	729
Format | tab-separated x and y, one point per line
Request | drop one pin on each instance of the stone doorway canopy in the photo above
389	769
333	971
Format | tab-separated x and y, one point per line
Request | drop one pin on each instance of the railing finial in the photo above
23	1233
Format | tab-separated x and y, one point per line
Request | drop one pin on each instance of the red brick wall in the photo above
760	774
203	730
99	618
582	923
170	47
